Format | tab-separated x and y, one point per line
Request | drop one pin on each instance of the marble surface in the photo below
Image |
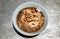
7	8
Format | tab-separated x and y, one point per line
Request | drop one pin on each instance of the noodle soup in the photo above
30	19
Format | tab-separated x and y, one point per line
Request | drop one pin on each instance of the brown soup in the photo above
30	19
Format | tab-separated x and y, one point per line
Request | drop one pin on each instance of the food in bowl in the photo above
30	19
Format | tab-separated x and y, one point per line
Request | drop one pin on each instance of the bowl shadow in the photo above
22	34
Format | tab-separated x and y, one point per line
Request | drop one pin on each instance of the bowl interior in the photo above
30	4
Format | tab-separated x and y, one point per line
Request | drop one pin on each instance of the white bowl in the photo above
30	4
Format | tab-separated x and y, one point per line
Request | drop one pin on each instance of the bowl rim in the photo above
25	5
